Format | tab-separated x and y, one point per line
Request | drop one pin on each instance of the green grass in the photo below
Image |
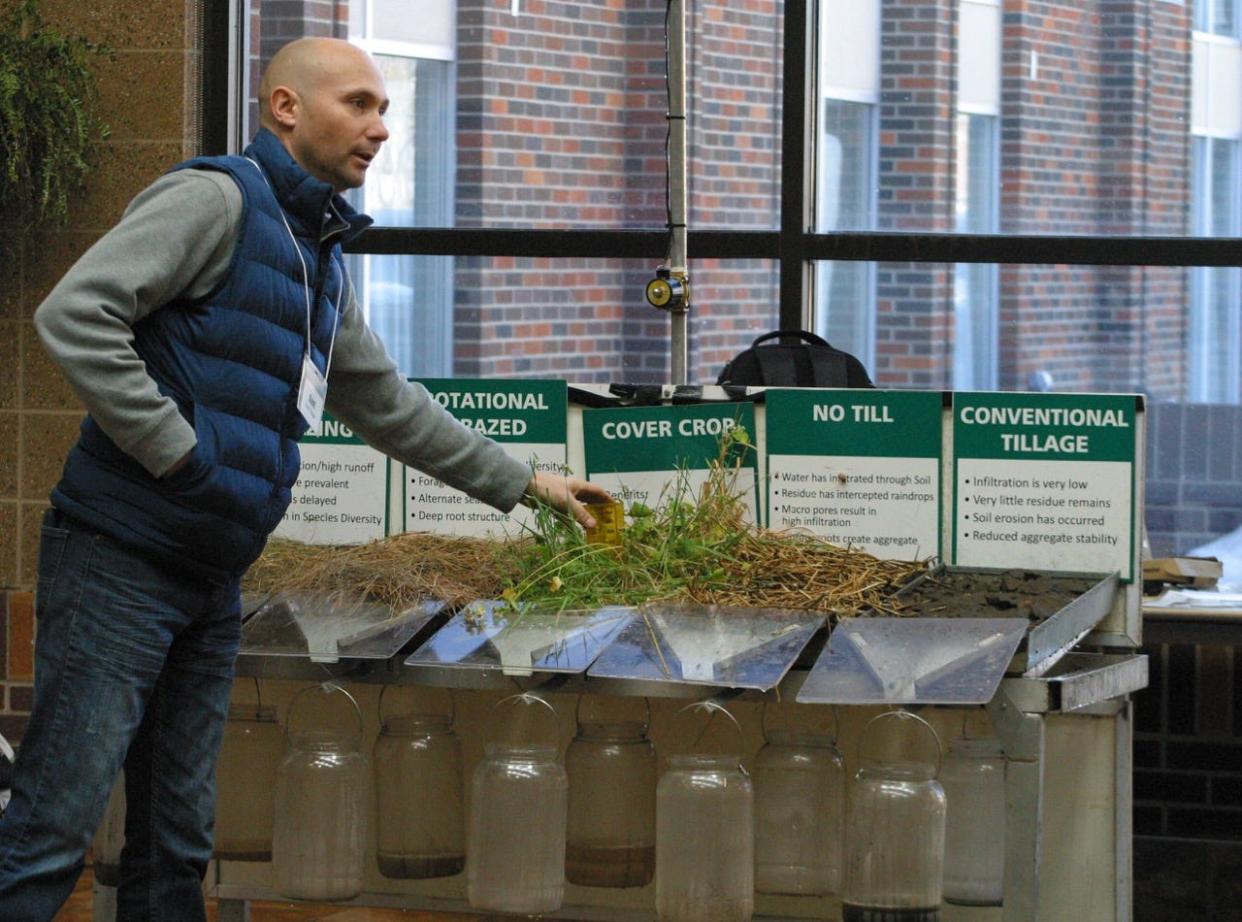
686	545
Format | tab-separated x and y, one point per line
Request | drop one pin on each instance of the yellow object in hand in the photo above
609	521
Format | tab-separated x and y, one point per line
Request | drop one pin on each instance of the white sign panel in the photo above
341	495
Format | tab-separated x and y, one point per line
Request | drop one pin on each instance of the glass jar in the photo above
418	798
110	837
321	814
799	781
245	779
705	860
610	839
974	848
894	839
516	858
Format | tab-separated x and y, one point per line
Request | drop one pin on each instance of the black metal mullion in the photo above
216	79
1093	250
447	241
792	242
877	246
585	243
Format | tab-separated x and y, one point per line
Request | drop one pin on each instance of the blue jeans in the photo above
133	666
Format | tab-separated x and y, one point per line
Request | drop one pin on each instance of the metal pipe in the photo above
677	184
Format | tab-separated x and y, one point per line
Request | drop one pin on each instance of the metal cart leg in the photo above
1124	786
1022	736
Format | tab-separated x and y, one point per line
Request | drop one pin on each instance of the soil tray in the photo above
1060	608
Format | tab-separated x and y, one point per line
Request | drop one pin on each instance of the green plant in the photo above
684	544
49	125
697	546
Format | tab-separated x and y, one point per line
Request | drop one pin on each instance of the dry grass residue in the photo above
400	571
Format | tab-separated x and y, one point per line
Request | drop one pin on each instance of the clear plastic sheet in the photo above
490	635
327	627
709	645
913	661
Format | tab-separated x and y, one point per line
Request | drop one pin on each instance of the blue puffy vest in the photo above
232	362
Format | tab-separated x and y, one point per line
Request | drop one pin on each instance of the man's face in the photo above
341	123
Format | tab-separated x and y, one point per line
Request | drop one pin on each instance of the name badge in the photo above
312	393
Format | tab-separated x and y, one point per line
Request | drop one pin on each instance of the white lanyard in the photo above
313	388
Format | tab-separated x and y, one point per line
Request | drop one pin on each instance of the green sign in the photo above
664	438
505	411
858	468
1045	480
1049	427
330	431
855	423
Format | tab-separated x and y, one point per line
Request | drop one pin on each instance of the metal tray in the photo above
1049	638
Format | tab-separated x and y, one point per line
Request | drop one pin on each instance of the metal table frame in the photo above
1087	684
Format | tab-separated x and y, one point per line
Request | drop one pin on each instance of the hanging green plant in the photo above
49	125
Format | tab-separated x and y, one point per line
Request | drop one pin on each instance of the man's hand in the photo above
567	494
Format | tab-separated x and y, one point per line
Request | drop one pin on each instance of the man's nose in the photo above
378	130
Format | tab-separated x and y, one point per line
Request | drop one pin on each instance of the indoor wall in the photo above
149	86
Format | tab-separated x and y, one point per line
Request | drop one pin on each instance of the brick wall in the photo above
143	86
1166	197
560	124
1143	147
734	148
1094	140
1048	320
1051	168
918	87
285	20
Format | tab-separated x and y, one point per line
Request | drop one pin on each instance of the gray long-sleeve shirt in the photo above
176	240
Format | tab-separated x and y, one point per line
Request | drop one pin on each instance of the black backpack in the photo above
796	359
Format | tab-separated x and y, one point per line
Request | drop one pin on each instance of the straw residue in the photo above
695	546
400	571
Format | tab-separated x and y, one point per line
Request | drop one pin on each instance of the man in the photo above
199	333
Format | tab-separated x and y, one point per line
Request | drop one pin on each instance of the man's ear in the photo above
285	105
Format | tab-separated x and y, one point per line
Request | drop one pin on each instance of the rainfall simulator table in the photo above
981	484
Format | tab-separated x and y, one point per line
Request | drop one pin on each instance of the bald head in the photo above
301	66
324	99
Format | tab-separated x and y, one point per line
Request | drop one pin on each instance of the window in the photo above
845	291
551	117
845	168
1214	337
976	292
408	300
1216	292
830	181
1217	17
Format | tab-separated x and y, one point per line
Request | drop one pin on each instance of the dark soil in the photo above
1012	594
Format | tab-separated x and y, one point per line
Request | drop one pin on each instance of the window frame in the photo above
1204	20
1204	280
435	340
984	372
794	245
864	348
402	49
